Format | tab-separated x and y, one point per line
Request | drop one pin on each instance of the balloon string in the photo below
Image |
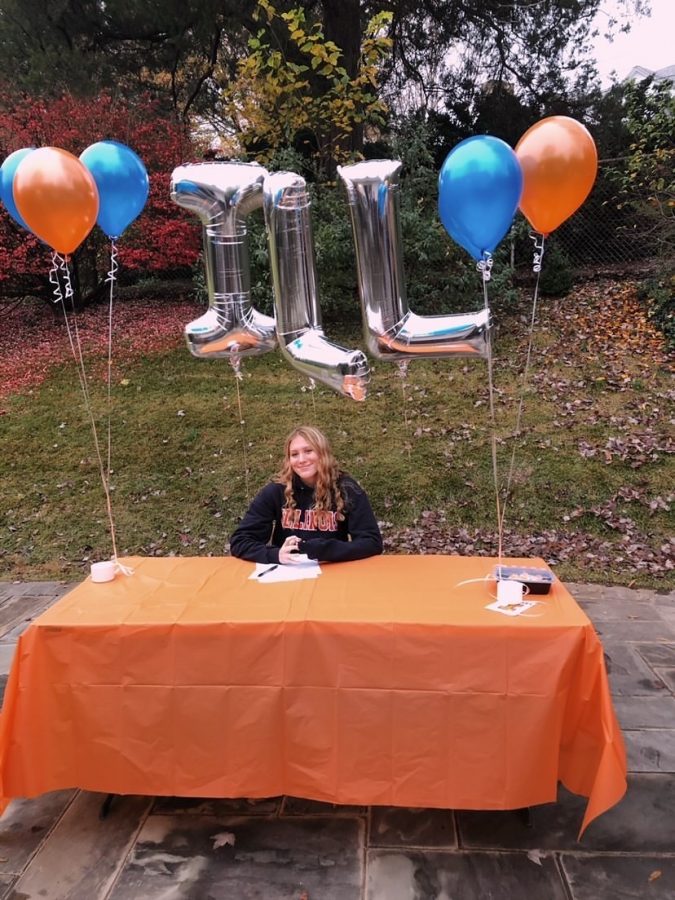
114	265
55	280
538	253
76	348
536	267
403	375
485	268
312	391
235	362
111	279
68	295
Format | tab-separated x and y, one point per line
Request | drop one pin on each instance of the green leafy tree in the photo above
443	51
649	176
446	51
292	87
648	181
83	46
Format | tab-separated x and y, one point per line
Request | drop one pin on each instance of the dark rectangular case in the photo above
538	580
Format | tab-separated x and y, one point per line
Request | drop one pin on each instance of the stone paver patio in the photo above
57	846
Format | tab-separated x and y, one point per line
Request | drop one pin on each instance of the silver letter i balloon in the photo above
293	268
223	194
392	331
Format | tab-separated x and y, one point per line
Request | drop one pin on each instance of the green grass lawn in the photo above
592	487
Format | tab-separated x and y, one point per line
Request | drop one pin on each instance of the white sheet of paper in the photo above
511	609
266	573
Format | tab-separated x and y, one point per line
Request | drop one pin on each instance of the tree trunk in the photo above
342	25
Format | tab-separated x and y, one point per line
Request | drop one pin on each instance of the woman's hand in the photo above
288	551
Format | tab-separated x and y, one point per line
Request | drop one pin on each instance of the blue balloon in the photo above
479	189
7	171
122	182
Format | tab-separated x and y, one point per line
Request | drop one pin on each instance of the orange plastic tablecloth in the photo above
383	681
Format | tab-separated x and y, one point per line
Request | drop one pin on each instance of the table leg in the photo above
525	816
105	806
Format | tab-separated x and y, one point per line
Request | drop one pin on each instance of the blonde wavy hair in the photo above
327	494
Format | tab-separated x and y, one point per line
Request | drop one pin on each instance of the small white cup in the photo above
511	591
103	571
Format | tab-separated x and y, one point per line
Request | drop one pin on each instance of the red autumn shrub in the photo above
162	239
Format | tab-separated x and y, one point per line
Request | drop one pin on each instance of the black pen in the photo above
271	569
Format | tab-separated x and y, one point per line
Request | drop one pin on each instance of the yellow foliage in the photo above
270	102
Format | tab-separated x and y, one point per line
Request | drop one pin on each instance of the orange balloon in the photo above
57	197
559	162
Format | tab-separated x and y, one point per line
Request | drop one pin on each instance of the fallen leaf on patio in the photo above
224	839
655	874
535	856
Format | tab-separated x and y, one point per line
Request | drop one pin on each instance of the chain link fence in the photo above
608	233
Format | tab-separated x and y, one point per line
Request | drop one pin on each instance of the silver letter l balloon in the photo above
298	315
223	195
392	331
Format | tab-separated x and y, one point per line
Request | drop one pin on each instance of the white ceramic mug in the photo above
103	571
511	591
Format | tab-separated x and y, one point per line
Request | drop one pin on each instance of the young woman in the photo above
310	507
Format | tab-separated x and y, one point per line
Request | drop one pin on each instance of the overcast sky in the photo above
650	42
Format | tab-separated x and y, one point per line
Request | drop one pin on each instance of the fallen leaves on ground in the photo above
608	319
33	341
635	450
605	323
631	553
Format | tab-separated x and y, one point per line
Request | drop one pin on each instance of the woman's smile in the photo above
304	460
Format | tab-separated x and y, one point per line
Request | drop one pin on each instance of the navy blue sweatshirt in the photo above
268	523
